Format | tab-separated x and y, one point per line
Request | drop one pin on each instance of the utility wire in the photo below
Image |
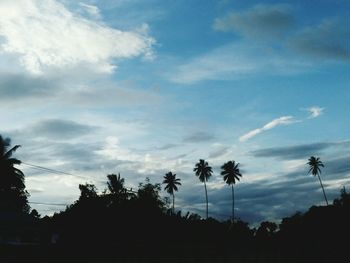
51	170
44	168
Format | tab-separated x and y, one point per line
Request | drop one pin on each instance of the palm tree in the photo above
116	187
203	171
315	164
171	185
115	184
231	173
12	187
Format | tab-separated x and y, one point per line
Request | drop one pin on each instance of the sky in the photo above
141	88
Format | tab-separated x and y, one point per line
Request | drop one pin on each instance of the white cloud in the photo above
315	111
284	120
143	163
45	34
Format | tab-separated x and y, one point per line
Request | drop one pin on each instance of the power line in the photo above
42	168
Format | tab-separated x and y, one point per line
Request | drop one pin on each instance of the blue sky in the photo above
145	87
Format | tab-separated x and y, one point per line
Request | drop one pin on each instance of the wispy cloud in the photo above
284	120
49	35
315	111
198	137
92	10
236	60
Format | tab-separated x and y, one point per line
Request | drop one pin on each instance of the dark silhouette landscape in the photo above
121	225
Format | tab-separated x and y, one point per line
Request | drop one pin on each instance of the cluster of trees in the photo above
141	220
203	171
13	195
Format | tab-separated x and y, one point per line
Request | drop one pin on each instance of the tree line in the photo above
118	221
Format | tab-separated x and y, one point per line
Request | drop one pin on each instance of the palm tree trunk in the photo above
233	204
324	193
173	204
206	195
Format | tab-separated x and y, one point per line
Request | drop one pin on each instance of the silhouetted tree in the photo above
231	173
266	230
344	200
148	195
13	196
87	191
315	164
204	172
116	187
171	185
34	213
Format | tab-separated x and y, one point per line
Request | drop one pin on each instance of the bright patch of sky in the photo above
145	87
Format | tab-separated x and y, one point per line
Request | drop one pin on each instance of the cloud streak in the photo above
314	112
61	129
284	120
296	152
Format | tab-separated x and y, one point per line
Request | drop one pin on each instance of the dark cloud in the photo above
219	152
329	40
61	129
180	156
340	166
259	21
16	86
167	146
198	137
298	151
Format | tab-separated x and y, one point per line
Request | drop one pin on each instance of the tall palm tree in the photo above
315	164
203	171
231	173
12	187
171	185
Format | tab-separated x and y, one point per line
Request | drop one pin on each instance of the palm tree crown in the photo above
12	188
115	184
203	170
231	173
315	164
9	175
171	182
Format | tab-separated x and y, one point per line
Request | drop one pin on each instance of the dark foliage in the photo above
13	196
